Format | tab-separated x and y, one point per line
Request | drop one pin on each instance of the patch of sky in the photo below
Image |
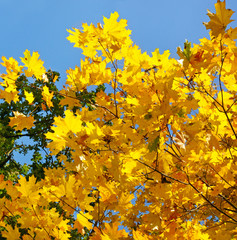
135	193
136	126
147	204
121	227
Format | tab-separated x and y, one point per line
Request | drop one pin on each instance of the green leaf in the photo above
148	116
187	50
153	145
181	113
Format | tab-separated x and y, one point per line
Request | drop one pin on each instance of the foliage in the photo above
150	154
28	108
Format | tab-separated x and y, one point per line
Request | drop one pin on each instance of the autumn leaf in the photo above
47	96
112	231
29	97
138	235
20	121
180	140
232	33
133	101
116	29
152	146
83	220
219	20
12	233
9	95
11	65
34	64
108	193
28	189
148	153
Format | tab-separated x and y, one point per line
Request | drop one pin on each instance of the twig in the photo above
161	173
206	199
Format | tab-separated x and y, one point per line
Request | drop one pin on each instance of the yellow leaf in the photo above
21	121
108	193
11	233
125	200
9	95
66	188
137	235
28	188
55	78
112	232
34	65
47	96
106	237
133	101
27	237
128	165
29	97
219	20
11	65
116	29
83	221
232	33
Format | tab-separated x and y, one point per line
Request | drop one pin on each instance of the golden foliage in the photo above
155	158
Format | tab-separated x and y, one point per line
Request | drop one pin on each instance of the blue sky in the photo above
40	25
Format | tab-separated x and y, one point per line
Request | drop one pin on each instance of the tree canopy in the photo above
135	146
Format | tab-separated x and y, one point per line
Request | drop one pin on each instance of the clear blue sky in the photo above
40	25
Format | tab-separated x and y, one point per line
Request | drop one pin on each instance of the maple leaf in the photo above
11	65
63	127
66	188
9	95
138	235
12	233
47	96
83	221
20	121
120	164
116	29
219	20
29	97
128	165
112	231
34	65
108	193
28	189
232	33
133	101
45	78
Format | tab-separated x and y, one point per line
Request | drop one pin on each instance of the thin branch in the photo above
39	221
115	76
18	135
161	173
96	105
205	91
220	195
235	101
219	175
173	154
206	199
220	83
171	137
69	206
222	96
